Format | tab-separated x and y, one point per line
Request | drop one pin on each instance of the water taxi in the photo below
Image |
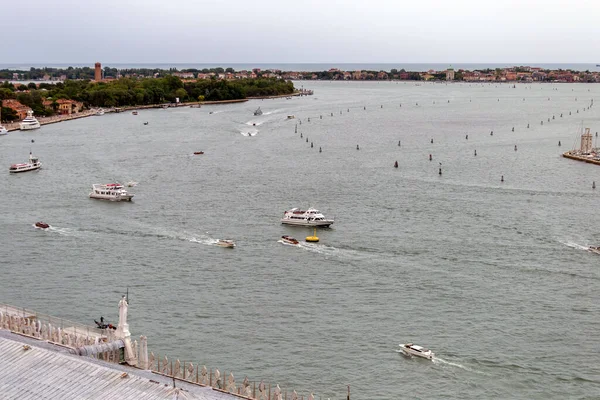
310	217
30	122
33	164
414	350
110	191
289	240
230	244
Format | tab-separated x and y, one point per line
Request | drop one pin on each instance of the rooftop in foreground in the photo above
34	369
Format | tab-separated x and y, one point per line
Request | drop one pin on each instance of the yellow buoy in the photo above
313	238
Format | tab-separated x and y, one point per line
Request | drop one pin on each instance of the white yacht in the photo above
414	350
110	191
30	122
310	217
32	165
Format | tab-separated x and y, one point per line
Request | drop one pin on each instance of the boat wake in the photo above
55	229
441	361
249	133
575	246
202	240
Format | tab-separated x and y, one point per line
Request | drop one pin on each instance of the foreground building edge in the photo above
47	357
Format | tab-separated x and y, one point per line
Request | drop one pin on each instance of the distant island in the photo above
51	91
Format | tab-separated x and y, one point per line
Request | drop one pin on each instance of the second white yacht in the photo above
30	122
110	191
310	217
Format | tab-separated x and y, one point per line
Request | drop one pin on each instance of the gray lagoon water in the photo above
492	276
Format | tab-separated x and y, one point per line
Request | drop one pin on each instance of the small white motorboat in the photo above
594	249
291	116
414	350
230	244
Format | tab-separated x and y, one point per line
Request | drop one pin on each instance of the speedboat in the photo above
289	240
100	112
594	249
3	130
134	112
230	244
42	225
30	122
110	191
414	350
198	152
310	217
33	164
291	116
258	111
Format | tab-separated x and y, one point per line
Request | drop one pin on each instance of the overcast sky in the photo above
301	31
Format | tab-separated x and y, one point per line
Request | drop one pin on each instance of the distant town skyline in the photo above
270	31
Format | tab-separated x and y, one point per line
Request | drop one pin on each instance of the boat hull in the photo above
29	127
323	223
17	171
111	198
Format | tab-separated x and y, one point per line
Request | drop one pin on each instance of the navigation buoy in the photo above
400	105
307	139
313	238
440	171
502	178
357	148
569	112
332	114
364	108
596	134
513	129
475	153
309	119
300	134
515	147
467	137
320	117
577	111
430	157
300	121
561	115
382	106
311	145
320	150
296	129
33	141
396	164
417	103
492	133
541	122
559	143
527	126
594	185
553	117
431	140
448	101
399	143
548	119
348	110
